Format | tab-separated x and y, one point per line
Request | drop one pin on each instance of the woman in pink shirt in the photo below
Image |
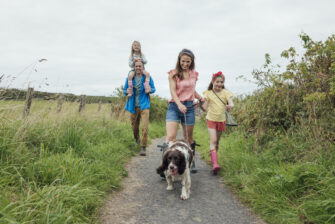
182	81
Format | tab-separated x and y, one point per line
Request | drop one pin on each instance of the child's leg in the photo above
214	140
146	82
218	136
130	82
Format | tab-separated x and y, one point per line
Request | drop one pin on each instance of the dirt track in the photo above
145	200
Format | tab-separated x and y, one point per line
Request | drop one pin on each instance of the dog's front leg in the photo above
184	191
169	182
188	184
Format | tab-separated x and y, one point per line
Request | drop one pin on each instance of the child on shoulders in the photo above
136	54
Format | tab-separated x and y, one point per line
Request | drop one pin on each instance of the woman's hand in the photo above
228	108
182	108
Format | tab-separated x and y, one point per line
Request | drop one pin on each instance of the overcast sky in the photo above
87	43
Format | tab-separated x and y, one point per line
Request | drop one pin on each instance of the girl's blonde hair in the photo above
179	70
132	50
214	77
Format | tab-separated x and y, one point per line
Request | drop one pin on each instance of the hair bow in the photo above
217	74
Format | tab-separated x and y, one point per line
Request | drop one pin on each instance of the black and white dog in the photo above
176	164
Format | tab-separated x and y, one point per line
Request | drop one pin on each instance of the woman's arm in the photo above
198	96
173	91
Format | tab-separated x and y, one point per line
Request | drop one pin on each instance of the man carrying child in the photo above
139	105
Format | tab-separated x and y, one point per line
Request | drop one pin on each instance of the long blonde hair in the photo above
132	49
179	70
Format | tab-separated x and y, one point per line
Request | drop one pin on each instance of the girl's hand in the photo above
204	105
182	108
230	104
201	100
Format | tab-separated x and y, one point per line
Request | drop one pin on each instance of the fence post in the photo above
27	105
112	108
99	108
82	103
60	103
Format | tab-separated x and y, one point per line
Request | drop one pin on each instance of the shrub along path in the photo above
144	198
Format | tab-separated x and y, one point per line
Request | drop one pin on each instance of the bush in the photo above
303	95
281	158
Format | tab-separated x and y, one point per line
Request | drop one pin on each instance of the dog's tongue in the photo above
174	172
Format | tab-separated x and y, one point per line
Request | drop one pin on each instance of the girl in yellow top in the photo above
217	101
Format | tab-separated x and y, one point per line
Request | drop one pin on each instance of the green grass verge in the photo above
61	171
279	188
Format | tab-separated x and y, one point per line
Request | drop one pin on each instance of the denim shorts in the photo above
173	113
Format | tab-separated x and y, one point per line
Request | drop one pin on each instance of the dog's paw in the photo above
184	196
169	188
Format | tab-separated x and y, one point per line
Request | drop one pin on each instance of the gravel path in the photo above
145	200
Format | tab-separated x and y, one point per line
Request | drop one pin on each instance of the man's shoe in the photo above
142	153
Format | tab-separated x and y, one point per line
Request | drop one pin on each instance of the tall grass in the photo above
281	158
279	189
58	167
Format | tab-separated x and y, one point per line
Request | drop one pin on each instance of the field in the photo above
59	167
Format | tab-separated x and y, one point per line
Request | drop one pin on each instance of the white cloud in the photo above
87	43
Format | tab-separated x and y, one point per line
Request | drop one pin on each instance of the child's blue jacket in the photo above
144	98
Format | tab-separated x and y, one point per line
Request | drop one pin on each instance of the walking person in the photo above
182	82
217	101
139	104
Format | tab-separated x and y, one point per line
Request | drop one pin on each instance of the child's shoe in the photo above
214	160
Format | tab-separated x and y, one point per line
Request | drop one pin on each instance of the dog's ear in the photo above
164	164
181	163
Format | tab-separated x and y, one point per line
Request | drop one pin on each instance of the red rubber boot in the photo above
214	159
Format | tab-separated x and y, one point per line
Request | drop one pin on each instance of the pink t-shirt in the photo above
185	88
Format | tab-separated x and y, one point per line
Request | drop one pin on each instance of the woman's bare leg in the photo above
171	130
189	136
